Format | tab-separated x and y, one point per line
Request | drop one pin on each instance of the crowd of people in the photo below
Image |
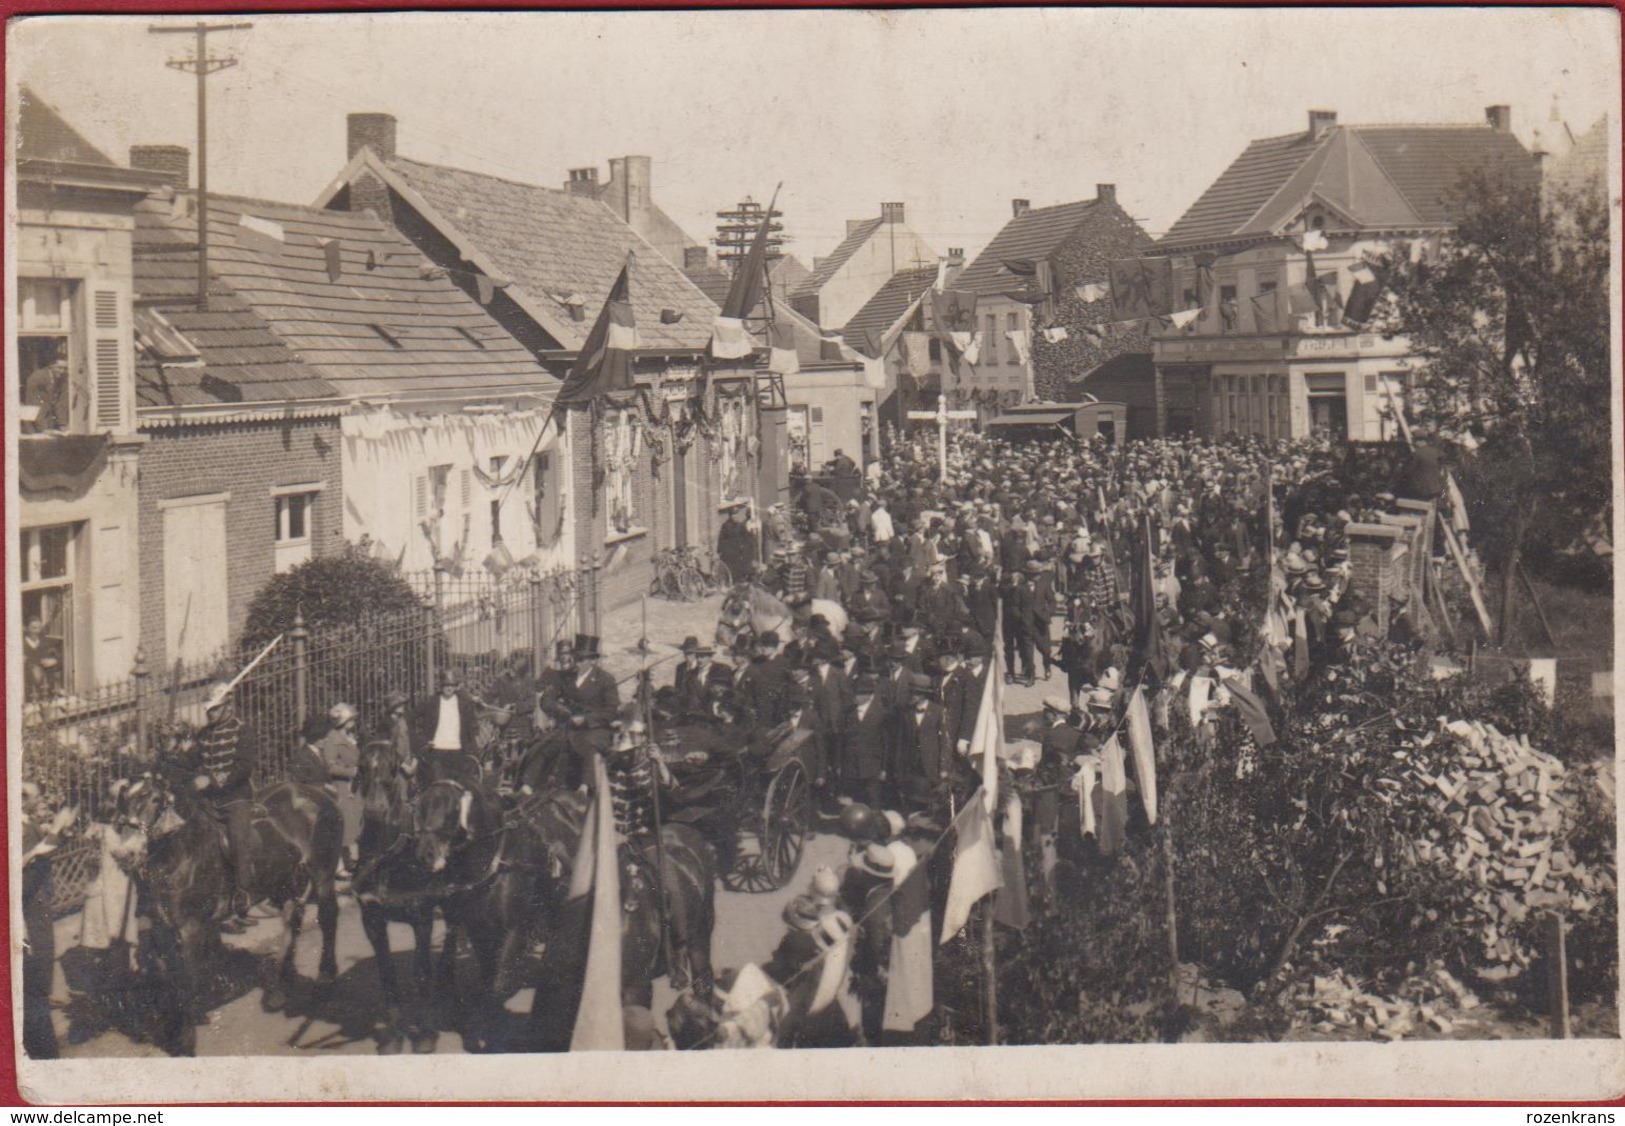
1176	569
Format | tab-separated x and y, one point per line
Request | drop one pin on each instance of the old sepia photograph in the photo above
1006	553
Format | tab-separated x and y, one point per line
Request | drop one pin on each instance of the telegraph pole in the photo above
202	65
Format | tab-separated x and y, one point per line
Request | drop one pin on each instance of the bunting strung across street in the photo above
1091	292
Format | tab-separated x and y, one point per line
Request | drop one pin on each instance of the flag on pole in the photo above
1145	754
1144	595
1113	820
1010	904
908	973
1266	309
976	868
917	353
1252	711
1363	297
782	357
987	737
604	363
599	1024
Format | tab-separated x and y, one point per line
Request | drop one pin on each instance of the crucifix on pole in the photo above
942	416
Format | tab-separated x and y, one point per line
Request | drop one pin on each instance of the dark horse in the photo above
436	849
530	901
186	876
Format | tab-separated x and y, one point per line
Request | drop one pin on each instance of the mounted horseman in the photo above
220	772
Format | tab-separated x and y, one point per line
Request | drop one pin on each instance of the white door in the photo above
195	605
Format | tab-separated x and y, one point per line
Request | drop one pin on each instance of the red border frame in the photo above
10	1095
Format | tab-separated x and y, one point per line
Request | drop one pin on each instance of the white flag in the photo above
1184	317
729	340
1055	334
1313	240
1091	292
1021	341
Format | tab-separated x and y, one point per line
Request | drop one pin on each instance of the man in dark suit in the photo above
583	700
1042	610
920	764
736	545
1018	616
938	606
864	752
700	682
762	685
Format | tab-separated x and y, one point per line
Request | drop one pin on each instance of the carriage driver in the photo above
224	755
583	699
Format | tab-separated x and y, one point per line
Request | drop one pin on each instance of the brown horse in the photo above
553	825
183	864
422	850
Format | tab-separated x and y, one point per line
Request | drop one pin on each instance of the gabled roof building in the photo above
1277	349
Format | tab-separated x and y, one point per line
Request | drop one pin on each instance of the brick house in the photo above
1065	246
1267	356
337	388
72	391
650	471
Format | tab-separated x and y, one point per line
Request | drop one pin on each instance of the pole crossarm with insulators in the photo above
202	64
942	416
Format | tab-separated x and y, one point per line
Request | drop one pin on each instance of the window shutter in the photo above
107	360
468	489
420	506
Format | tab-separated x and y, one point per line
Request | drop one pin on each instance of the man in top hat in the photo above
446	724
224	755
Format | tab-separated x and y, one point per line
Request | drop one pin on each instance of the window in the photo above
497	464
545	511
934	350
53	393
623	443
295	509
47	559
1228	311
439	484
990	338
1266	287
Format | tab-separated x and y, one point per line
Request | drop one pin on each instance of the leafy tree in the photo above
329	591
1511	322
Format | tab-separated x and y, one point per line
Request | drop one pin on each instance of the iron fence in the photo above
495	632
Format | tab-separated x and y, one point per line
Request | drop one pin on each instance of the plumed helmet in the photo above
858	822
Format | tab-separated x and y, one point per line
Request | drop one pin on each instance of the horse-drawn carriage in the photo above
753	802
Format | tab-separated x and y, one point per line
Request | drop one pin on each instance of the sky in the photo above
953	112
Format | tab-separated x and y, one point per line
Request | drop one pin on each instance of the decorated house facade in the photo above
337	388
72	394
652	466
1040	309
1265	276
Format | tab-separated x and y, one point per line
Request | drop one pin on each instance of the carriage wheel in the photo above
786	813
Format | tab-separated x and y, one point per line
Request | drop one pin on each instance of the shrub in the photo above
328	591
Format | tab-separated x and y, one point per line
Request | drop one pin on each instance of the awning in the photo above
59	461
1034	418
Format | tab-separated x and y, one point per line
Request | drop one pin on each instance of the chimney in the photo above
174	161
1498	118
583	182
1106	193
639	173
375	131
369	193
1020	207
891	213
696	257
1320	120
956	256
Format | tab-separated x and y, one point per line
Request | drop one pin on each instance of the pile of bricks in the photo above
1511	805
1434	1003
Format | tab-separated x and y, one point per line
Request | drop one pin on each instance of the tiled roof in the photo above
554	245
43	134
828	267
243	360
281	326
785	275
1376	175
882	311
712	280
1035	235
